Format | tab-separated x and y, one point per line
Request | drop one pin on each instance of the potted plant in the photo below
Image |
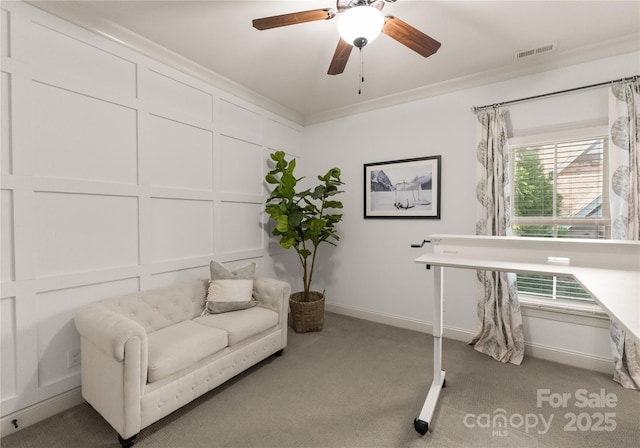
304	220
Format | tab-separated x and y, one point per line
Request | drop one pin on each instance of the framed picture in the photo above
407	188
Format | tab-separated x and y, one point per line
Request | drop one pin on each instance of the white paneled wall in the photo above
85	232
118	174
98	135
181	157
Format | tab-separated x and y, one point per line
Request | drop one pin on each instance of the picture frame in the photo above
408	188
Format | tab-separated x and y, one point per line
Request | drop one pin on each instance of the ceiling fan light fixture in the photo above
360	25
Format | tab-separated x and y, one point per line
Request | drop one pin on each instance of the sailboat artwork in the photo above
404	188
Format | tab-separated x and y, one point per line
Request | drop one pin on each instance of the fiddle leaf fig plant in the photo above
303	219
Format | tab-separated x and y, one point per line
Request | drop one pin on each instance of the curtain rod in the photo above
476	109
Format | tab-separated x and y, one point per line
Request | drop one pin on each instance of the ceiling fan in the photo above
348	9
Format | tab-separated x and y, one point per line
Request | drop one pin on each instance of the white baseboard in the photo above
570	357
40	411
559	355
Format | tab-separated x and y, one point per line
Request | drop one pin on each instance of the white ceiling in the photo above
286	68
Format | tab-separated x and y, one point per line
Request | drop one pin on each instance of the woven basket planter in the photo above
307	311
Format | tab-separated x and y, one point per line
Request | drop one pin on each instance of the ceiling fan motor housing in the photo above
343	5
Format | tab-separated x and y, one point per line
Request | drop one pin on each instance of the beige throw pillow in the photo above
230	290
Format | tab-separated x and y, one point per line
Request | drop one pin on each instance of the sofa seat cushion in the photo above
179	346
241	324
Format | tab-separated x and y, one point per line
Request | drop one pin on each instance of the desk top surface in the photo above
610	273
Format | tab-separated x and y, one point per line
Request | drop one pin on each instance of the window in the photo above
559	191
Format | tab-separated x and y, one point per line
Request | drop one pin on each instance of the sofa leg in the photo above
279	352
127	443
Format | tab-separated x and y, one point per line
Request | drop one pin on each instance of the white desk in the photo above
608	269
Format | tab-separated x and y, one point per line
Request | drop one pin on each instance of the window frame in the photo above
548	307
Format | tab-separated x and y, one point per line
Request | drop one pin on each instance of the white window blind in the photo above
559	191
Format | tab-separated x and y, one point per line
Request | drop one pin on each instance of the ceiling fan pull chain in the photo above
361	73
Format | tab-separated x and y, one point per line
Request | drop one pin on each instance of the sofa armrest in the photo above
108	330
273	294
114	366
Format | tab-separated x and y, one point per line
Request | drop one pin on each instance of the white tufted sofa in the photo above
146	354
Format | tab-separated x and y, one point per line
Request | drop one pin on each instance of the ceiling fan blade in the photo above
340	58
291	19
410	37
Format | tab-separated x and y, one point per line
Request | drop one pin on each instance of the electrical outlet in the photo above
73	358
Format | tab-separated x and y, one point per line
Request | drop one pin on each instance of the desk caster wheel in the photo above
421	426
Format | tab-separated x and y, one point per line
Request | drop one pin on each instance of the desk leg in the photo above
421	424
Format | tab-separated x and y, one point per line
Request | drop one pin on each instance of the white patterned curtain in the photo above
501	334
624	202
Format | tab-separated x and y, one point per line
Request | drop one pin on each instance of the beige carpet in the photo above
361	384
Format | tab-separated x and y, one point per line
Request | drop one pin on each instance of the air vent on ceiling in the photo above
536	51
